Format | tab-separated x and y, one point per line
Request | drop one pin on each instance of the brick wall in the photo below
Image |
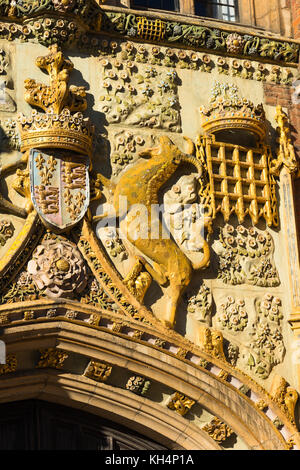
278	94
295	5
282	95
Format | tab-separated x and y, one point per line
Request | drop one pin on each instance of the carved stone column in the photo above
292	249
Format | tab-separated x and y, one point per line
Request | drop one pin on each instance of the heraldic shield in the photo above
59	184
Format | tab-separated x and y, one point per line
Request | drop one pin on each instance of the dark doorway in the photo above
39	425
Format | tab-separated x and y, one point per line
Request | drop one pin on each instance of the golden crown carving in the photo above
57	127
227	110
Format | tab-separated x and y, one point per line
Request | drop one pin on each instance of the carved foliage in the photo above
246	256
180	403
125	148
52	357
266	348
200	305
138	385
9	135
232	314
10	365
139	96
218	430
209	38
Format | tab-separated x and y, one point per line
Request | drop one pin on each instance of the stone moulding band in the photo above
27	26
234	379
202	37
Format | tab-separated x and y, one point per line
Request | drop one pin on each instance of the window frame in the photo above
177	6
212	3
187	7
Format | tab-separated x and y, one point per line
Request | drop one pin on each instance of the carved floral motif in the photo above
64	5
266	348
200	305
125	149
22	289
9	135
10	364
139	96
203	36
96	295
232	314
58	269
246	256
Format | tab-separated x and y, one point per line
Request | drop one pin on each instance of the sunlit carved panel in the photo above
240	180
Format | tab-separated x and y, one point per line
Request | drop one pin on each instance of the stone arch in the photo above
214	394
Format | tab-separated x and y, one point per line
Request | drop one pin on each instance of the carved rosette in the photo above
58	269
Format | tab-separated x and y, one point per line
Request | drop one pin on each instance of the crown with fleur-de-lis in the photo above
227	110
62	125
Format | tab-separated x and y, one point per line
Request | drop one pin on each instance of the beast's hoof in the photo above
168	324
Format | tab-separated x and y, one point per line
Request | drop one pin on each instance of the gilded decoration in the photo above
241	181
59	181
24	22
10	364
203	37
52	358
285	396
98	371
72	272
218	430
6	231
140	185
286	154
57	128
227	110
180	403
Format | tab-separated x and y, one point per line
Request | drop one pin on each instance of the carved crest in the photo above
59	187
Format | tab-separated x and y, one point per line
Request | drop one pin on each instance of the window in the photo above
226	10
171	5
